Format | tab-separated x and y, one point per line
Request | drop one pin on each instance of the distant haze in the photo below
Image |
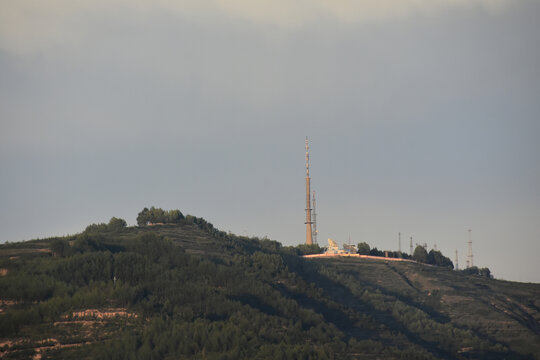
423	118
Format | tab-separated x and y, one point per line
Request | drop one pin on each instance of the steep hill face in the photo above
436	305
191	291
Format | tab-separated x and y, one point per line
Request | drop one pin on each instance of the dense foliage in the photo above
420	254
437	258
474	270
115	224
203	293
159	216
363	248
434	257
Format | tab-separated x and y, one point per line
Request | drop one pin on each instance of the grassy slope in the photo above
402	305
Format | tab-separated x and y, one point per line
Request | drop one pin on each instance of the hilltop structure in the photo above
333	248
350	248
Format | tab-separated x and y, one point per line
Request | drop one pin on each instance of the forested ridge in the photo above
184	289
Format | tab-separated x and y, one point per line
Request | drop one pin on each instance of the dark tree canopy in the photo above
420	254
437	258
376	252
60	247
363	248
304	249
159	216
115	224
474	270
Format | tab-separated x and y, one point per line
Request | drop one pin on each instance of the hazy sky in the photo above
423	118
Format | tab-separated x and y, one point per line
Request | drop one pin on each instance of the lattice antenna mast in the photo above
457	264
309	236
315	231
470	255
399	241
411	247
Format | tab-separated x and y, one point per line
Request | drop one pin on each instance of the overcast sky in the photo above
423	118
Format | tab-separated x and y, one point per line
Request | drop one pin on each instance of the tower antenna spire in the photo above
470	255
457	265
315	231
309	235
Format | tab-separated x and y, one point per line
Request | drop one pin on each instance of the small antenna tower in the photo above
457	265
470	255
399	241
411	247
315	231
309	237
434	247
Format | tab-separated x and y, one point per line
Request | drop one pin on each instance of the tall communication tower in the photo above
309	236
470	255
411	247
457	265
399	241
315	231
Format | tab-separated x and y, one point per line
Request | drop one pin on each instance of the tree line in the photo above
420	254
159	216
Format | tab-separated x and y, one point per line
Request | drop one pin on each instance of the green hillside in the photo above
187	290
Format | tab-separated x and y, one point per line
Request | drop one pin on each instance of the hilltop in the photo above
187	290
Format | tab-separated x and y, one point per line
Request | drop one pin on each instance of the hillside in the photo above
190	291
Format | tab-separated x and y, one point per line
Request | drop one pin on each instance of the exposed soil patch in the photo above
98	314
8	302
14	253
55	346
